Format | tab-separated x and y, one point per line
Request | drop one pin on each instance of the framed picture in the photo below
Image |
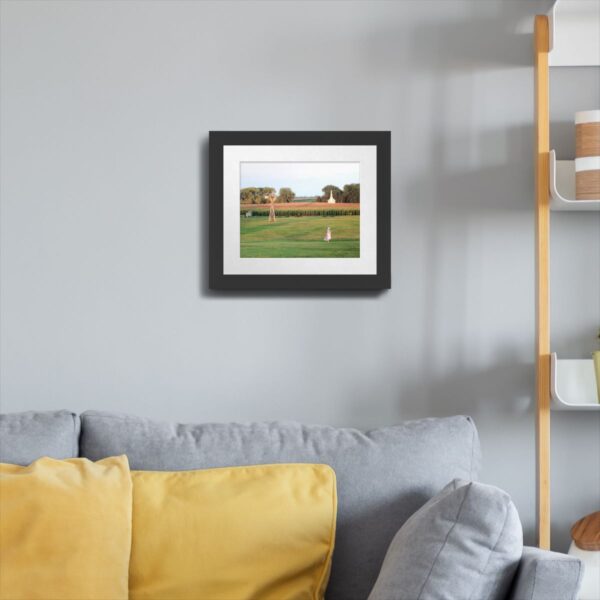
299	210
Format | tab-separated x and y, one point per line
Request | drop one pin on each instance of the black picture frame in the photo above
379	281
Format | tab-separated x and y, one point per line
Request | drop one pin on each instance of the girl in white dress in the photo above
327	237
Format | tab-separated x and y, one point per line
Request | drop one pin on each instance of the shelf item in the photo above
596	359
586	534
587	133
573	384
562	187
587	154
586	546
587	178
574	33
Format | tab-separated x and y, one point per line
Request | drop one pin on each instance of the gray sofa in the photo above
383	476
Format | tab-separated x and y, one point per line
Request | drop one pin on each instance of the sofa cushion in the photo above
465	543
263	532
65	530
383	476
27	436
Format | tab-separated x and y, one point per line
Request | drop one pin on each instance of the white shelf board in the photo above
562	187
574	33
574	380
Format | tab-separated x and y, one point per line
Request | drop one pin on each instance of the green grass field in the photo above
300	237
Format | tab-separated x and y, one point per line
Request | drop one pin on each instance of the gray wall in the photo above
105	113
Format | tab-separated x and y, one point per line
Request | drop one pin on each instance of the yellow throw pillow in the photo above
240	533
65	529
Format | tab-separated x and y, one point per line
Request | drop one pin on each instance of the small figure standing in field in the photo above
327	237
271	198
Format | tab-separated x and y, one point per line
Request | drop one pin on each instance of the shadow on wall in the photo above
493	35
470	392
451	198
203	211
575	466
449	206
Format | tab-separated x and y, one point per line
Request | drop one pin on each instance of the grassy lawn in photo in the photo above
300	237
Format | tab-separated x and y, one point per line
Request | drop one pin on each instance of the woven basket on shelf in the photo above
587	155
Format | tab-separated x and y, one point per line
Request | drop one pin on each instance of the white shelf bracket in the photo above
574	29
573	384
562	187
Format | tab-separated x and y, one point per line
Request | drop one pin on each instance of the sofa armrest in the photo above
544	575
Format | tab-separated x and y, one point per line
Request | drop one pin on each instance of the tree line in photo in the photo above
350	194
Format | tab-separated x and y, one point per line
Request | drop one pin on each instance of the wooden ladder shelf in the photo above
567	36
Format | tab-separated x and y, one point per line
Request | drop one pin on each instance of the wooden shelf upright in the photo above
542	176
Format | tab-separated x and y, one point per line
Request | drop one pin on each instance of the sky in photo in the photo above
305	178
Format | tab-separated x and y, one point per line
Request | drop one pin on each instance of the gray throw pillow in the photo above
464	544
27	436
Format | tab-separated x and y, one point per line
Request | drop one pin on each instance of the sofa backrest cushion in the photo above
27	436
383	476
